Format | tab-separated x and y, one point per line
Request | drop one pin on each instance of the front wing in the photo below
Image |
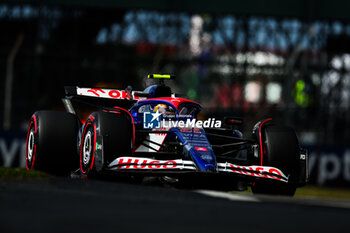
138	164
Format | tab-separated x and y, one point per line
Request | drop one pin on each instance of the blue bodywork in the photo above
197	147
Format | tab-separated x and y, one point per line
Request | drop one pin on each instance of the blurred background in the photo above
289	60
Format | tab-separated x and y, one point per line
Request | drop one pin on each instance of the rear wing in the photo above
100	98
116	94
127	94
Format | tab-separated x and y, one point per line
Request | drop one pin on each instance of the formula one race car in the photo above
155	133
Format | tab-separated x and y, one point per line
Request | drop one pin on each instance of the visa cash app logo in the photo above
151	120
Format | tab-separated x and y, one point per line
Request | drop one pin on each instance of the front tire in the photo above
280	149
105	136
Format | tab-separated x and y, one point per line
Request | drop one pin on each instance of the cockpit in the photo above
184	110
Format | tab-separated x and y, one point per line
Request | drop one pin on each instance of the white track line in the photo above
301	201
229	196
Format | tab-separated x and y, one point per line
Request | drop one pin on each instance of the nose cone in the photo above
205	159
198	147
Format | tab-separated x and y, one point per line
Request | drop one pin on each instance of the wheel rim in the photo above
30	146
87	148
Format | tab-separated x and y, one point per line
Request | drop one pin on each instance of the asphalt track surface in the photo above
71	205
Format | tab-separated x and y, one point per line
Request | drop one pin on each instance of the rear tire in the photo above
87	150
51	142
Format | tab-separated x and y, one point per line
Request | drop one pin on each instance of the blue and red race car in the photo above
155	133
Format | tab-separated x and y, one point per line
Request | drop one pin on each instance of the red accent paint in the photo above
82	144
33	160
233	168
260	139
190	130
249	173
108	93
201	148
81	151
170	162
273	170
155	164
34	153
136	161
146	164
133	129
91	118
119	94
174	101
94	148
35	123
142	166
136	97
258	170
121	161
35	131
95	90
112	111
114	94
30	125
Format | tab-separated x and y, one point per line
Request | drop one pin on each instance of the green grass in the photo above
20	173
323	192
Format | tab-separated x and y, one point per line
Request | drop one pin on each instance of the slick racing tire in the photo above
51	142
87	150
281	150
117	136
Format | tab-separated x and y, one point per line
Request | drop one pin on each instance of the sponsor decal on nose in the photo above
201	148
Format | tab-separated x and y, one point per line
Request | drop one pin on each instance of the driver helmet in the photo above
160	108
